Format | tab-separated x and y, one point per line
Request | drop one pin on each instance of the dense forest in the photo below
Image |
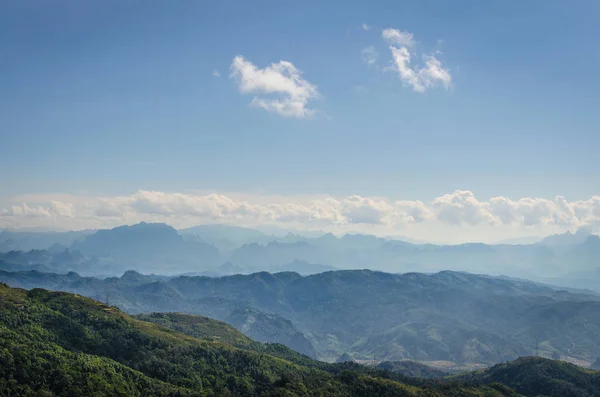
61	344
534	376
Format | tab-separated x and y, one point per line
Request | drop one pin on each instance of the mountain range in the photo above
451	316
570	260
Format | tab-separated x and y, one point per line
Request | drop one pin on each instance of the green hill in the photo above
200	327
61	344
534	376
214	330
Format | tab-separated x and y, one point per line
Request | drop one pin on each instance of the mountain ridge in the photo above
457	317
159	248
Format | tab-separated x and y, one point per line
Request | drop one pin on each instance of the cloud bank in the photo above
457	209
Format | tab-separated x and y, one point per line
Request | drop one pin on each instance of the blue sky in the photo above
105	99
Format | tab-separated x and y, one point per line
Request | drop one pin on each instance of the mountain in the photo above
566	239
14	267
55	343
535	261
28	240
569	260
534	376
410	240
45	260
455	317
303	268
256	257
226	237
148	247
268	327
519	241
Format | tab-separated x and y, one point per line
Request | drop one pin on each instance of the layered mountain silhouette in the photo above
151	246
569	259
451	316
566	239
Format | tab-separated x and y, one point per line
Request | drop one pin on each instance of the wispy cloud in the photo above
397	37
369	55
423	77
427	74
216	73
365	26
281	87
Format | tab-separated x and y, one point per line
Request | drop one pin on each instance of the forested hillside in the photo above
534	376
55	343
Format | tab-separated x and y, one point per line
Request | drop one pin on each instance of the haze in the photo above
260	198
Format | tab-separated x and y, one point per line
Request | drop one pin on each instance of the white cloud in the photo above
397	37
365	26
25	210
369	55
543	212
462	207
281	86
423	77
61	209
416	210
420	77
457	213
434	72
401	58
357	209
216	73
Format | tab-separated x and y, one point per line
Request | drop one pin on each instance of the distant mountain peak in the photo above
592	239
583	232
566	239
329	236
131	274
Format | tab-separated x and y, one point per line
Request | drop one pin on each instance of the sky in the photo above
444	121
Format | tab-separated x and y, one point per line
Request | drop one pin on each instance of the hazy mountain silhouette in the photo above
226	237
566	239
303	268
567	259
38	240
148	246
